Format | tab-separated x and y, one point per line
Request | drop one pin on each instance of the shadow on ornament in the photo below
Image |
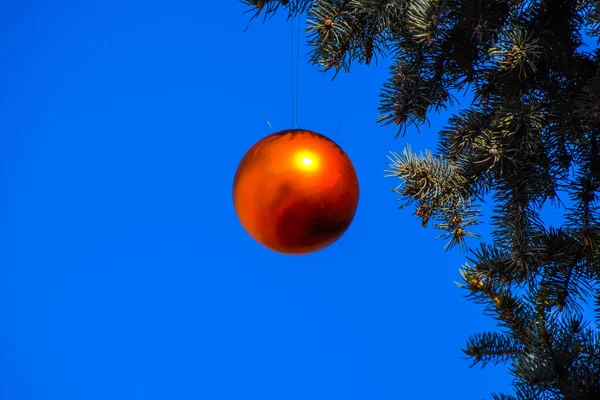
295	191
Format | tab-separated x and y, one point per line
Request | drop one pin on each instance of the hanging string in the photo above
292	73
297	67
294	68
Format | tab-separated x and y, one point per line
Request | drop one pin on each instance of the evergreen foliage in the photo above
529	137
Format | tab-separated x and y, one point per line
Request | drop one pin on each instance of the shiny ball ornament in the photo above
295	191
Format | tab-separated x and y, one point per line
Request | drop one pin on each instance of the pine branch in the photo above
492	347
529	139
439	189
269	7
510	310
501	396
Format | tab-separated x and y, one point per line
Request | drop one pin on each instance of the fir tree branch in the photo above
269	7
440	191
492	347
501	396
530	135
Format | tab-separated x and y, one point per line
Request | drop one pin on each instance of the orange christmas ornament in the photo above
295	191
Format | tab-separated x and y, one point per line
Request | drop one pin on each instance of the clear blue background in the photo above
124	273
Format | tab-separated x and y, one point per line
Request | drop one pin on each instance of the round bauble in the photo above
295	191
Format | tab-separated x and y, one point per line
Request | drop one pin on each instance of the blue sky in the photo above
124	273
